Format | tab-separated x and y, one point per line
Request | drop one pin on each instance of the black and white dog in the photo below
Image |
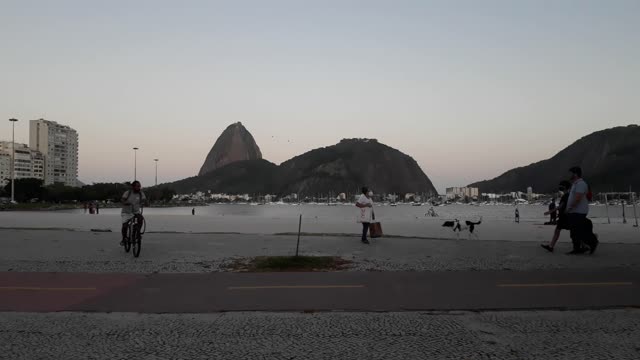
458	228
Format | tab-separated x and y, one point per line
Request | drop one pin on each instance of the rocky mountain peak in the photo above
234	144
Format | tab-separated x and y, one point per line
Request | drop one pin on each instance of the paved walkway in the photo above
548	335
330	291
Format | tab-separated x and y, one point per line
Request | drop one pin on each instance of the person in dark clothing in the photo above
193	211
562	222
517	215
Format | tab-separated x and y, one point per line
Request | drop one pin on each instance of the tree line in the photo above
31	189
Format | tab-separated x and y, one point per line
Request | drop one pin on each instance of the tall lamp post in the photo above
156	160
135	163
13	158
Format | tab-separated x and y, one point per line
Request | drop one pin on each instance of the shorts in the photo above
126	217
563	223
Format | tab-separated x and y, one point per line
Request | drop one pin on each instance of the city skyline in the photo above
50	155
467	91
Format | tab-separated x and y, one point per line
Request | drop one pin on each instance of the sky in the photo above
469	89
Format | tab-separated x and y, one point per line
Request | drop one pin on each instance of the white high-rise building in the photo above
59	145
29	163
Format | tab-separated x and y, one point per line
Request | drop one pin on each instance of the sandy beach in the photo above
323	220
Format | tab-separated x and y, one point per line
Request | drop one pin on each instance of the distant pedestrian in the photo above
562	222
577	210
193	211
97	208
552	211
517	215
365	207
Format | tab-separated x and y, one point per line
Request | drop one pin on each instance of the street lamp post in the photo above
13	158
135	163
156	160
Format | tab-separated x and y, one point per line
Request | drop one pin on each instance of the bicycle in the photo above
136	227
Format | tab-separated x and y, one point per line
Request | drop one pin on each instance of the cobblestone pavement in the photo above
55	250
610	334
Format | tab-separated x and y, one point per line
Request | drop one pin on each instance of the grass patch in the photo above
290	263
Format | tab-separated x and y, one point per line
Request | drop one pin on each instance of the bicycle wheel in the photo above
137	241
127	241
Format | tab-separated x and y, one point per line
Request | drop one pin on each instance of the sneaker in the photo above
365	241
577	252
547	247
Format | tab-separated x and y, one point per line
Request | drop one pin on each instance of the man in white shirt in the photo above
132	202
365	207
577	211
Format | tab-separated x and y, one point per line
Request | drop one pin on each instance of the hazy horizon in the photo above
469	90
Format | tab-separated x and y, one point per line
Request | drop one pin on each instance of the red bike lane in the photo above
320	291
50	292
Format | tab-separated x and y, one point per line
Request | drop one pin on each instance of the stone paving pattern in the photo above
610	334
75	251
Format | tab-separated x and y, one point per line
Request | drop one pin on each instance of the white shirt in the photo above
579	187
365	214
135	202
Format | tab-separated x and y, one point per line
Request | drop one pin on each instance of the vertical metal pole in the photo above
13	159
156	160
606	202
135	163
635	211
299	228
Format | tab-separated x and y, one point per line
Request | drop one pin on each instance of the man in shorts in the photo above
132	202
562	222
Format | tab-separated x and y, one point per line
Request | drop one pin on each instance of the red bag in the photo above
375	230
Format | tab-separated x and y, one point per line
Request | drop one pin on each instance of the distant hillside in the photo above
234	144
344	167
351	164
242	177
609	159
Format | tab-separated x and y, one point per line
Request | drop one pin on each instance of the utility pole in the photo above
156	160
135	163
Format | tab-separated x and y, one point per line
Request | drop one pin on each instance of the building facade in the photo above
5	168
28	162
59	146
462	192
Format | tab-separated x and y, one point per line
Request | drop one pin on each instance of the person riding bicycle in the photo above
132	202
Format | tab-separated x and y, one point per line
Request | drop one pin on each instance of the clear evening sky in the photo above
468	88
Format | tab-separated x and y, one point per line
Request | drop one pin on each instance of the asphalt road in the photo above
329	291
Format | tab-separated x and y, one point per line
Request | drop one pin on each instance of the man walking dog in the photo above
577	210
